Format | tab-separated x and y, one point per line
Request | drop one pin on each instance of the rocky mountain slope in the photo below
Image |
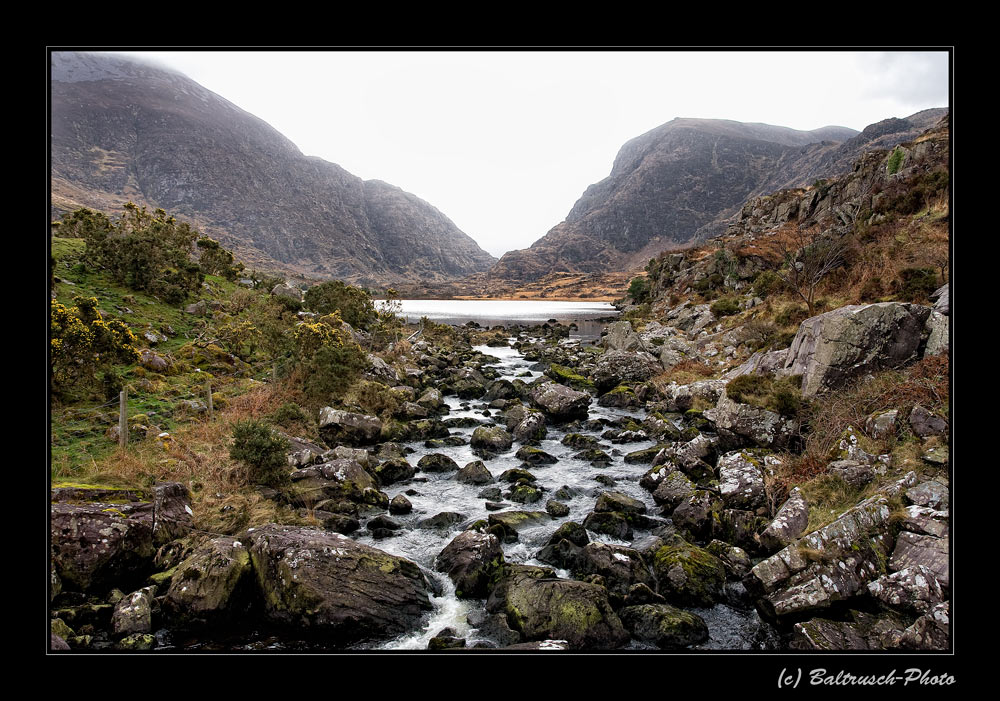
126	130
681	183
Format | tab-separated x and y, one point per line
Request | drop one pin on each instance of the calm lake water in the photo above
501	312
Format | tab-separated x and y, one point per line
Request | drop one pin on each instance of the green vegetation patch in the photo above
781	395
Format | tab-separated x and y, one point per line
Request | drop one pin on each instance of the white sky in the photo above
504	143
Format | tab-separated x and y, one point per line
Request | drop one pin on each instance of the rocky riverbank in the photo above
532	490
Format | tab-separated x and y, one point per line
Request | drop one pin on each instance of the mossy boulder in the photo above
474	473
394	470
341	479
535	456
559	609
561	403
473	561
616	501
326	583
609	523
506	524
437	462
565	376
620	567
688	575
491	440
621	397
211	585
345	428
664	626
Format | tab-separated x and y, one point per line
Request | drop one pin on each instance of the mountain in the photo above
124	129
684	180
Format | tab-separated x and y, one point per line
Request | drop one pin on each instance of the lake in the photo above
508	312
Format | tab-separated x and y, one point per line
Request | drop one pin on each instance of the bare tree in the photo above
804	261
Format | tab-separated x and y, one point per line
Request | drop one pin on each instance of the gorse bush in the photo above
895	161
147	252
354	304
83	344
639	289
261	451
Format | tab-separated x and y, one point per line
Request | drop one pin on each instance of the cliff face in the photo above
684	181
126	130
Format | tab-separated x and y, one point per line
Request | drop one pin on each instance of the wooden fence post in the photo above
208	387
123	419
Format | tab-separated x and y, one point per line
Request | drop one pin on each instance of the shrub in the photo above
778	394
289	414
767	283
895	161
83	344
726	306
638	290
261	451
918	283
355	305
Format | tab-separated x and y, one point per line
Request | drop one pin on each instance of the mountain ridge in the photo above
124	129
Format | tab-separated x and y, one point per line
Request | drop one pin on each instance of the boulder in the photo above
932	631
394	470
620	567
619	336
437	462
329	584
616	368
152	361
530	428
474	473
688	575
941	298
764	428
914	589
937	335
664	626
98	545
561	403
133	614
788	523
925	423
914	549
341	479
473	561
833	348
673	489
287	291
829	565
547	608
400	505
210	585
491	439
342	427
741	480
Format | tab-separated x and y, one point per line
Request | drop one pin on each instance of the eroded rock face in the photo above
325	582
913	589
621	337
741	480
341	479
831	564
837	346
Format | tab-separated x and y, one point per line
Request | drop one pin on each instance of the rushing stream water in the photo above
436	492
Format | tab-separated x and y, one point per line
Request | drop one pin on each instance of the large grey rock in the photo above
620	567
760	363
788	523
764	428
941	298
328	583
623	367
491	439
681	397
688	575
472	561
664	626
208	585
925	520
929	493
621	337
341	479
741	480
925	423
133	613
343	427
835	347
96	546
561	403
938	334
287	291
673	489
932	631
530	428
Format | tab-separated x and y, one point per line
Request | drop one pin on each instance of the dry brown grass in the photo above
685	372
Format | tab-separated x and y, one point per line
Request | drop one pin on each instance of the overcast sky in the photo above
503	143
